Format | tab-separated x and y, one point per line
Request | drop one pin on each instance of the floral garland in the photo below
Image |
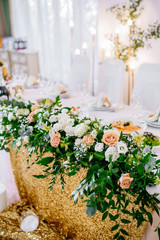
117	165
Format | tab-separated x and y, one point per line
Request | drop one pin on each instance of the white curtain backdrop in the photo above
45	23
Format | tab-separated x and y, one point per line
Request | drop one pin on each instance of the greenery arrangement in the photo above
138	37
117	166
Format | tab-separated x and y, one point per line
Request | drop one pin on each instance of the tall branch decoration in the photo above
137	36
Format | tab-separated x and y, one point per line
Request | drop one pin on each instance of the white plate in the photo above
135	122
153	124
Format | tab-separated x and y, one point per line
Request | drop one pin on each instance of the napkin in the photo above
60	88
102	100
156	116
32	81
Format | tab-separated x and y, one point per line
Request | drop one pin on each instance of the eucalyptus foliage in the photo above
101	186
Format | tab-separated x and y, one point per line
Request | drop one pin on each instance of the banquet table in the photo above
6	173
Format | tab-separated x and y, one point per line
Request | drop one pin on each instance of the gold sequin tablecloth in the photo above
60	216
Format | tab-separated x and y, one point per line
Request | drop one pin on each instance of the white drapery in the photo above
45	23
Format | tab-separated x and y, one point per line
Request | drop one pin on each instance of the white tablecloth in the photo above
6	175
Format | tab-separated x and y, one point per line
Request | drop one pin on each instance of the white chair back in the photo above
111	78
79	77
147	86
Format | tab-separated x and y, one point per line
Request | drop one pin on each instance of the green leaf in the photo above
104	215
39	176
75	198
109	181
7	149
124	232
120	238
99	156
13	144
115	227
84	163
91	210
159	233
140	169
116	235
125	221
125	211
150	218
45	161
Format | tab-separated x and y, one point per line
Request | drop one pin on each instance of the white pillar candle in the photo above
3	197
30	222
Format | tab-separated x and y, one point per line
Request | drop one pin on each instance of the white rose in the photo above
81	129
57	127
53	118
78	141
69	130
99	147
122	147
18	143
26	112
156	150
94	133
146	150
111	151
62	122
26	139
30	129
51	132
11	116
70	121
22	111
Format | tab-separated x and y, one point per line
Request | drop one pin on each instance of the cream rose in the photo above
55	139
110	138
125	181
35	107
88	140
30	117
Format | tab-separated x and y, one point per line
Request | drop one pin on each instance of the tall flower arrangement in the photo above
137	37
117	166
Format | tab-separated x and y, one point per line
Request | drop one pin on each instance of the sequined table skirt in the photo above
61	218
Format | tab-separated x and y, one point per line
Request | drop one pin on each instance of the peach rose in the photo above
55	139
35	107
110	138
30	117
88	140
125	181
